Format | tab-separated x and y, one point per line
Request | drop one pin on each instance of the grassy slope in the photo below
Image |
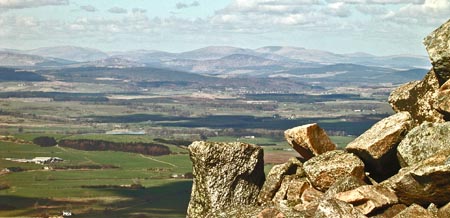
162	196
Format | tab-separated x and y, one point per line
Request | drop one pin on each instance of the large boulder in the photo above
325	169
418	99
438	47
442	103
369	198
423	183
309	140
226	175
423	142
275	177
377	146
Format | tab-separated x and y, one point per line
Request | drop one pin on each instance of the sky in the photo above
380	27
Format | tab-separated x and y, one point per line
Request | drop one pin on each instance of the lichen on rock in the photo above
418	98
423	183
333	208
377	146
438	48
225	175
325	169
423	142
369	198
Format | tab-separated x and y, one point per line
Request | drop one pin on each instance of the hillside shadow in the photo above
169	200
37	207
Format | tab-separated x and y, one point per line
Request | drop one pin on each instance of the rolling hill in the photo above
72	53
11	59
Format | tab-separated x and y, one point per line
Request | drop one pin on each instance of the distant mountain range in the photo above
70	53
229	62
276	53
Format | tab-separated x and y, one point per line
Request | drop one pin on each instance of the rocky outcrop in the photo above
423	142
418	99
325	169
369	198
309	140
377	146
423	183
333	183
226	175
438	47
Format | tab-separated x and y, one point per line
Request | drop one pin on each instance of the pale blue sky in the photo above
381	27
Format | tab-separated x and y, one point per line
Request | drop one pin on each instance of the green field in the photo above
36	191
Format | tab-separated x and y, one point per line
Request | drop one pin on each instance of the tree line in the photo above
153	149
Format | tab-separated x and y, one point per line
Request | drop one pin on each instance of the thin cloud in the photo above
139	10
414	14
20	4
117	10
382	2
88	8
181	5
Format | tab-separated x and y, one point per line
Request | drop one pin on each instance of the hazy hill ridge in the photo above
274	53
297	63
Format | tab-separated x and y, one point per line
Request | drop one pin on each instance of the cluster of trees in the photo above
301	98
86	166
100	145
57	96
132	186
9	74
45	141
177	142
